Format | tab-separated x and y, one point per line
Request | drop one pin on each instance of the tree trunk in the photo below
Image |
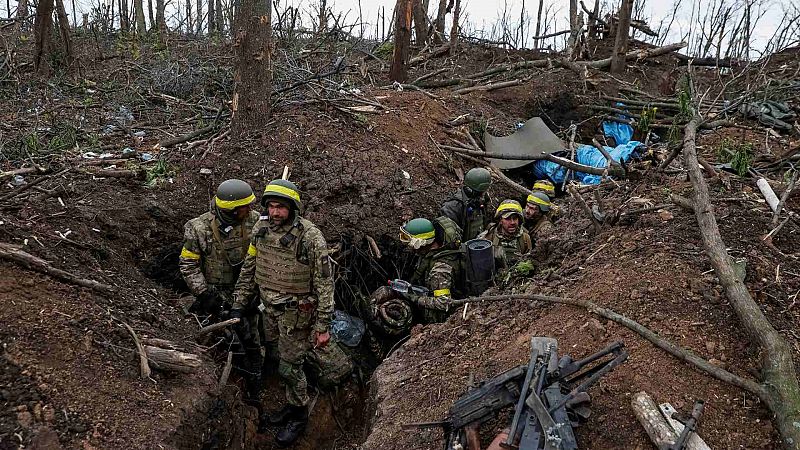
43	29
22	13
438	26
456	27
593	20
253	77
402	41
63	31
161	23
199	17
141	26
189	23
220	17
574	33
150	13
621	41
322	23
781	391
74	15
212	19
124	26
420	22
538	24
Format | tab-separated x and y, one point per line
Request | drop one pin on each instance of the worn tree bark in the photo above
456	27
621	41
253	76
63	31
402	42
124	22
322	19
161	23
439	23
189	24
199	17
780	389
141	26
172	360
573	29
220	17
22	13
150	15
212	19
420	22
43	29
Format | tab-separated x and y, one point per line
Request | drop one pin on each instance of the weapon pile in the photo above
548	394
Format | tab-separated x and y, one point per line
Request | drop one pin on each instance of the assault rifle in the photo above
548	394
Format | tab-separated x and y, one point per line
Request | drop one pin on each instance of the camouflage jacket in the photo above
210	258
441	271
310	251
469	214
539	229
508	250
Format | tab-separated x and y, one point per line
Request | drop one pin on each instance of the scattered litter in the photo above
18	180
148	157
140	134
347	329
205	171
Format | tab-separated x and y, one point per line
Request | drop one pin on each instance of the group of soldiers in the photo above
273	273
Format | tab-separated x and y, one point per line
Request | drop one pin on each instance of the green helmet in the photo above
478	179
417	233
282	190
232	194
541	200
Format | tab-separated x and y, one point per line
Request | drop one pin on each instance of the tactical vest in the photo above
225	254
472	215
278	265
507	250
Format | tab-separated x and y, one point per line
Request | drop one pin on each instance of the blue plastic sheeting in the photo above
588	156
621	132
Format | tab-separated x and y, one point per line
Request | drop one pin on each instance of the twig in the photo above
785	196
144	367
582	202
217	326
226	372
13	253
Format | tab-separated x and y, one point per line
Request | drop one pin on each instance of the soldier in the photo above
537	222
469	206
441	265
509	239
288	264
214	247
545	186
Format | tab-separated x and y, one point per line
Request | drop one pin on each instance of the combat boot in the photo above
294	428
279	417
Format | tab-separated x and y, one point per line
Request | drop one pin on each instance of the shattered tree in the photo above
253	75
402	41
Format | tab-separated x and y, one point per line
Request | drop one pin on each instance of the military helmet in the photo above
232	194
541	200
478	179
282	190
508	208
545	186
417	233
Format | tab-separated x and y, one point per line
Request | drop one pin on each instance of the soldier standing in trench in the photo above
288	264
509	239
214	247
469	206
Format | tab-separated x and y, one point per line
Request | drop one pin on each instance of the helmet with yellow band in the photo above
507	209
284	191
545	186
541	200
232	194
417	233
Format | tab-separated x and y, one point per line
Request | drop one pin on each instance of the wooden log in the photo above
769	195
167	360
13	253
651	419
695	442
112	173
22	171
226	372
488	87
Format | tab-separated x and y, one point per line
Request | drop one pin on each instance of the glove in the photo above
242	328
208	302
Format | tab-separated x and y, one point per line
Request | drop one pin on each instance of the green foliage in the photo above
385	50
523	268
158	172
646	119
738	154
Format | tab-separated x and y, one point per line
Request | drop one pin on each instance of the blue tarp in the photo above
621	132
588	156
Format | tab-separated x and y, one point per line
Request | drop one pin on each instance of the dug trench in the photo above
74	379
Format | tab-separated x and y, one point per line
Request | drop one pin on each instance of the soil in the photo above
70	378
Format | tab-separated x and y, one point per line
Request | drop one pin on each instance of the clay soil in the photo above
69	376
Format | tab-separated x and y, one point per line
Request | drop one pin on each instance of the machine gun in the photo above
549	395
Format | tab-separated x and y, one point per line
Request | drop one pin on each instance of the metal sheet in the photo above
534	138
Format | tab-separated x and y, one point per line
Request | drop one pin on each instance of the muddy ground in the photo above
70	378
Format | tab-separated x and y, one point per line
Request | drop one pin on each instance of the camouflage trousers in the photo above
293	331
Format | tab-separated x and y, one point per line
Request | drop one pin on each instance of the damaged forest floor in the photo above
366	158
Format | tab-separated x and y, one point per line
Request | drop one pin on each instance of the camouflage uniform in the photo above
290	267
539	229
508	250
471	214
441	271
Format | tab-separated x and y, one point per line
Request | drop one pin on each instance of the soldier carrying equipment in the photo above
468	207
